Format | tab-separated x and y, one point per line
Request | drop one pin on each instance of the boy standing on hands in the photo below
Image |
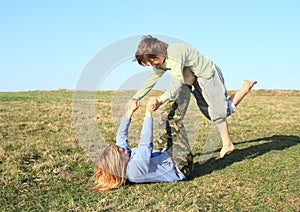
187	65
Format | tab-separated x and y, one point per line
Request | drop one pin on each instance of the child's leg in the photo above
178	145
240	94
202	104
174	137
211	96
227	145
214	94
223	128
168	111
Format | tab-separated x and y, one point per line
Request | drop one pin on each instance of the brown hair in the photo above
150	47
110	170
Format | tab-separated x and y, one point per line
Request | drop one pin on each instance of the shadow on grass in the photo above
275	142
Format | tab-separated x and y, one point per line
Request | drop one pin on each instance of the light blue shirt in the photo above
146	164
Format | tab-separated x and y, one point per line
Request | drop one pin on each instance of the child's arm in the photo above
132	107
122	134
145	146
169	94
174	87
175	84
143	152
149	83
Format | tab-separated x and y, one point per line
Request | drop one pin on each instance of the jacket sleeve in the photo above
122	134
140	161
175	84
155	75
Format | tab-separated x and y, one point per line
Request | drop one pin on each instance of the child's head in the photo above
111	168
150	48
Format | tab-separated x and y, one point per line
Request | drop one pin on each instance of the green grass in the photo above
43	167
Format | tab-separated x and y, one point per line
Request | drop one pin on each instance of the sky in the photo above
45	45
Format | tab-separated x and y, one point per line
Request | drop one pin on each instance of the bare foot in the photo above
247	85
225	150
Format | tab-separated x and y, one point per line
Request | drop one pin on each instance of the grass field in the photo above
43	167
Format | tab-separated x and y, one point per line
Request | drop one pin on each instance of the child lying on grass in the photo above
144	164
118	162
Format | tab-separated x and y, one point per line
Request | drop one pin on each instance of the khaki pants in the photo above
173	136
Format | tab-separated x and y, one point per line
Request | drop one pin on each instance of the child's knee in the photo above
231	108
219	120
219	115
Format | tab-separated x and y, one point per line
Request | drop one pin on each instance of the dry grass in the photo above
43	167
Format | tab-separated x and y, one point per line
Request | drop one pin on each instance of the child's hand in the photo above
134	105
154	103
150	106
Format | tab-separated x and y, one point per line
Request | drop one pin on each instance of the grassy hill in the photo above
44	168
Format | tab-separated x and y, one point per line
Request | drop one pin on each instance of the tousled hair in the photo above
150	47
110	169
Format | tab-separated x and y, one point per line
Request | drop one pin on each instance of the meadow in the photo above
44	168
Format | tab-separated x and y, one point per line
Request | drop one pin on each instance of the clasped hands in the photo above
152	104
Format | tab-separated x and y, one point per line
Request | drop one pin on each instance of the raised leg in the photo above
240	94
227	145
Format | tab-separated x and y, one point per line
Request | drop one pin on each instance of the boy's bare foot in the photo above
225	150
247	85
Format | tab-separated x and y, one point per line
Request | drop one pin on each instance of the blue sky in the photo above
47	44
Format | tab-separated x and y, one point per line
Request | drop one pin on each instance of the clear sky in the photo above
47	44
